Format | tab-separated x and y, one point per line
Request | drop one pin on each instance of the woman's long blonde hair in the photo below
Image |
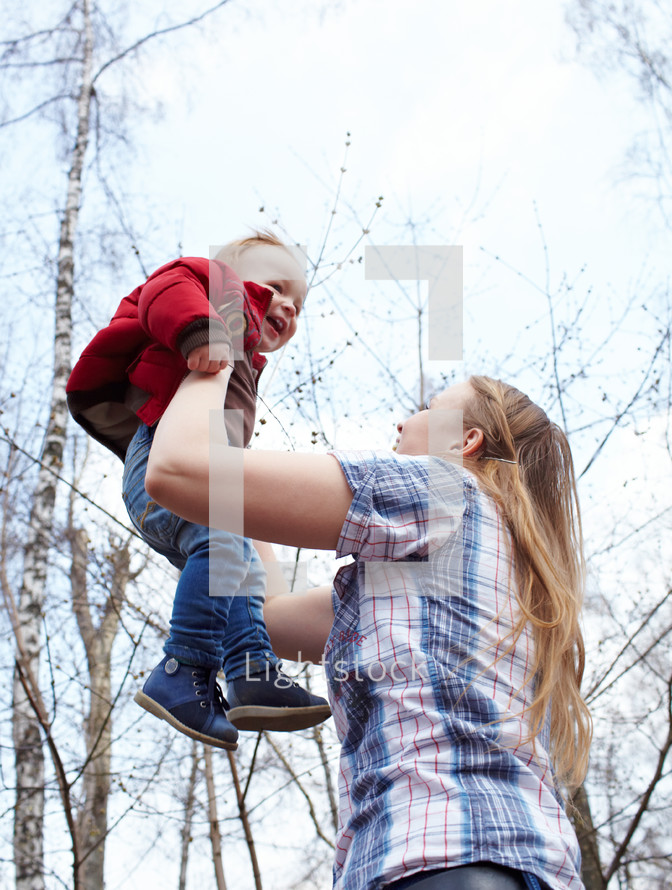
537	498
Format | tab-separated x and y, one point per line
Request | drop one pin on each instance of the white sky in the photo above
444	101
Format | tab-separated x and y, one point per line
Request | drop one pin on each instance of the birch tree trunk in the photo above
29	755
189	807
98	639
213	820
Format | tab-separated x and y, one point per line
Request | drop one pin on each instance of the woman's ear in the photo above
474	440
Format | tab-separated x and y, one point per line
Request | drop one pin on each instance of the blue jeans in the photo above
222	630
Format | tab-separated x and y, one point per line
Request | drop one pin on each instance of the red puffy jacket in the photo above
131	369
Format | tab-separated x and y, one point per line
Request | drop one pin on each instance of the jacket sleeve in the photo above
175	310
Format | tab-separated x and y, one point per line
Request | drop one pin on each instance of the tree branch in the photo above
160	33
623	413
27	114
242	812
646	797
311	809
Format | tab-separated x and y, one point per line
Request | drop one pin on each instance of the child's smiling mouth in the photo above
277	324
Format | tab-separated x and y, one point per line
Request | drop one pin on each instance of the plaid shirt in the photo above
426	690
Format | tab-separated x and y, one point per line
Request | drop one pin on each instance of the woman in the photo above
455	657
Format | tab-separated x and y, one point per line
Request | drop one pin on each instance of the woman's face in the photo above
439	429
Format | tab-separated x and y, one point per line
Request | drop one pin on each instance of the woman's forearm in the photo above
296	499
299	624
178	469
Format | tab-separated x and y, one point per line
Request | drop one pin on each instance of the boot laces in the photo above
205	681
279	671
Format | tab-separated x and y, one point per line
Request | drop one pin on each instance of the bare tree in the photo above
98	636
631	40
633	37
189	806
213	819
73	46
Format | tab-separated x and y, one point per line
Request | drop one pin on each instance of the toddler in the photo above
196	314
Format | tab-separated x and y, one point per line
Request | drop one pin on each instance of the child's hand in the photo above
210	358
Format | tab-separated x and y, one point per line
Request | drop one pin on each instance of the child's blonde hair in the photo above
537	498
230	252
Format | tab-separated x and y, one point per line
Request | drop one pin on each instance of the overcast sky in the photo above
454	109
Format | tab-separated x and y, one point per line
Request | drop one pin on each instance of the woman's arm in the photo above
299	624
288	498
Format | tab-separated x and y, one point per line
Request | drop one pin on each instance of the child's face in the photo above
275	267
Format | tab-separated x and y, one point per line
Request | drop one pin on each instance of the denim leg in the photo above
210	561
247	647
214	569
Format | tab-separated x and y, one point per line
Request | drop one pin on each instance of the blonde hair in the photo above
230	252
537	498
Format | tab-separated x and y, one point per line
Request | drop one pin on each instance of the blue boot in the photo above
272	700
190	699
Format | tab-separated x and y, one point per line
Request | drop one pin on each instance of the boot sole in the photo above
258	718
156	710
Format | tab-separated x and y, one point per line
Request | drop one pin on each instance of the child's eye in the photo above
276	287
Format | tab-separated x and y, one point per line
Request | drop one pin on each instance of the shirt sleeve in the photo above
403	507
173	304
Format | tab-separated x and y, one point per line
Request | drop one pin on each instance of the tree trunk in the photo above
245	821
213	819
29	756
189	806
591	870
98	641
326	766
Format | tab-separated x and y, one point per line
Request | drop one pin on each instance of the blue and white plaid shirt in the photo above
427	691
